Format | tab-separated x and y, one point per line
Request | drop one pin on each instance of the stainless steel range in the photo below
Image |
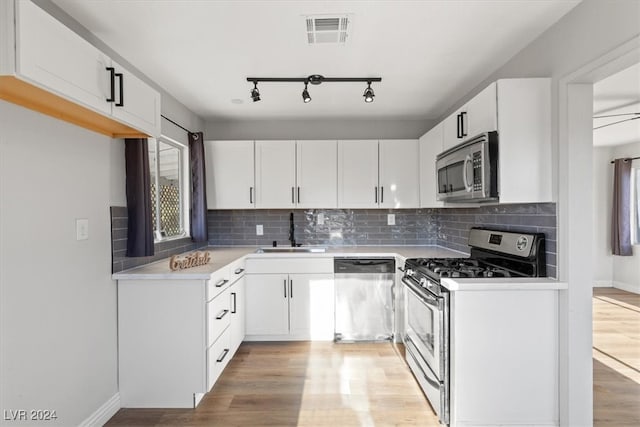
493	254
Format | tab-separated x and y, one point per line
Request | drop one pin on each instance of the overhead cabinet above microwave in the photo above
47	67
519	111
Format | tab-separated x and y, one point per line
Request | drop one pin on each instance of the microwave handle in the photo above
465	177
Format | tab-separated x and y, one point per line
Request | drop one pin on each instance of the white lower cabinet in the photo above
175	336
284	303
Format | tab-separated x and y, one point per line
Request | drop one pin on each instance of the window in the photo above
635	202
169	196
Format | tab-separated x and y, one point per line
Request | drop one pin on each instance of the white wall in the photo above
58	329
317	129
626	270
602	200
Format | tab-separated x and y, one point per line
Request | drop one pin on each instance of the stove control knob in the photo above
408	272
423	282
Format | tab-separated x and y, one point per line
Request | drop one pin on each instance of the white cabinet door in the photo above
275	174
399	174
54	57
237	326
137	104
480	113
451	131
311	305
430	146
267	304
317	174
229	174
358	174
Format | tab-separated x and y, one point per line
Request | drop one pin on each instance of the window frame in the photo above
184	186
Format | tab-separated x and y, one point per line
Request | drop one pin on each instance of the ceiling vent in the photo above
328	29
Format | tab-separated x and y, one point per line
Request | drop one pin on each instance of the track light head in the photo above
305	94
255	93
368	93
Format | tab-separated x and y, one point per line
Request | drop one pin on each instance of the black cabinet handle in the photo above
222	314
223	355
221	283
120	78
285	288
459	126
238	271
293	195
250	195
290	288
381	194
234	309
298	194
375	192
112	76
463	131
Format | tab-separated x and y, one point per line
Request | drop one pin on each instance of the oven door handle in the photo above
426	298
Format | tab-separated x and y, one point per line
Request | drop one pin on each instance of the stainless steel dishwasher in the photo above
364	299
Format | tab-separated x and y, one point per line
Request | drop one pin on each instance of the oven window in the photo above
421	320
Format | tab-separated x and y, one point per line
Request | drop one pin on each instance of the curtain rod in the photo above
627	158
171	121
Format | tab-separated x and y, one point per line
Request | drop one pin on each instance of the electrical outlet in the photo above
320	218
259	230
82	229
391	219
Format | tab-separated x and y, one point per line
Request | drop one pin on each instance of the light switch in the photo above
259	230
82	229
391	219
320	218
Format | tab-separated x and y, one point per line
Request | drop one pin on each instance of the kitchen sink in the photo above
285	249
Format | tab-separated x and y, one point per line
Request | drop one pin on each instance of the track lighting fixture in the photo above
368	93
314	79
305	94
255	93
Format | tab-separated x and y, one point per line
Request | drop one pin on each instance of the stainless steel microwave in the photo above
468	172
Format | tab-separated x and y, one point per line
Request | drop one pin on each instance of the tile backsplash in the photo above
349	227
445	227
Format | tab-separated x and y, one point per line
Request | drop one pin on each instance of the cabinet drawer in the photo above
218	315
236	270
218	282
289	265
218	356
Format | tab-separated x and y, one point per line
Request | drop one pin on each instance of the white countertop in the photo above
222	256
503	284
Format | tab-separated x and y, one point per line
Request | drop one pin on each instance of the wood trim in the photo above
34	98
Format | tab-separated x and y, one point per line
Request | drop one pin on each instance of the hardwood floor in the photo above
303	384
616	358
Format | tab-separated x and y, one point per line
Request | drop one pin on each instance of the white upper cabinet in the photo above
520	111
374	174
53	56
398	174
317	174
276	174
358	174
48	68
137	104
229	172
430	146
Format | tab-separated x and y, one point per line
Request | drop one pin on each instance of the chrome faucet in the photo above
292	237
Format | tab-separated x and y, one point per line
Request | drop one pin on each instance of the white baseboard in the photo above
103	413
627	287
603	284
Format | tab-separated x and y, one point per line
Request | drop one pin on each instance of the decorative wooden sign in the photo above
194	259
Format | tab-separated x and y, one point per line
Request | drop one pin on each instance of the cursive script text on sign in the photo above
192	260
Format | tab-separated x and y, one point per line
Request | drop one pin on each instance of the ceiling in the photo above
617	96
429	53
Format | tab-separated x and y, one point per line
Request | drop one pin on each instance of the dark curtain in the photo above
621	217
138	181
198	188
